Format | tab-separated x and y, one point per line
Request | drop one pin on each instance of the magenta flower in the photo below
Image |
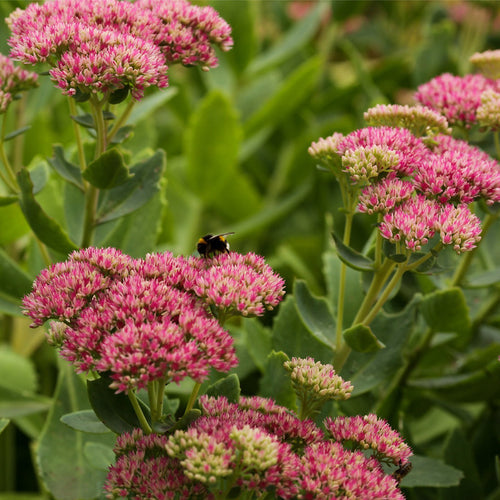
370	432
384	196
12	81
330	471
238	284
411	223
455	97
459	227
187	32
144	470
478	170
129	317
92	48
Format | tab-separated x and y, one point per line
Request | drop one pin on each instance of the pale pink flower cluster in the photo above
140	319
12	81
112	45
370	432
317	381
419	120
488	63
455	97
248	447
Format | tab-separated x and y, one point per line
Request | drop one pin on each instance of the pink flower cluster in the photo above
455	97
418	190
102	47
255	445
12	81
141	319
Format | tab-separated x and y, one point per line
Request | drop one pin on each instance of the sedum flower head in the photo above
187	33
129	317
370	432
459	227
383	196
238	284
368	162
409	148
455	97
411	223
314	380
325	151
258	450
144	470
488	63
488	113
93	48
330	471
12	81
419	120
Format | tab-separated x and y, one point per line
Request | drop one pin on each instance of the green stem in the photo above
385	295
466	260
152	395
91	199
121	120
160	389
140	415
44	253
10	180
100	126
341	290
379	279
78	136
192	398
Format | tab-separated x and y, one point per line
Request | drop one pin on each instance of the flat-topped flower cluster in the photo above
149	319
419	186
107	46
259	446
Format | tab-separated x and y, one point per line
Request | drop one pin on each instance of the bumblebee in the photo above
212	244
403	470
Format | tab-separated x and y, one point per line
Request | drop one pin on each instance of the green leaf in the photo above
361	339
458	453
17	372
107	171
122	134
13	225
368	370
4	422
483	280
292	42
315	313
114	410
134	193
228	386
62	465
293	337
135	233
45	227
351	257
431	473
242	18
67	170
14	281
16	133
479	385
212	144
39	173
276	383
86	120
14	404
145	107
446	311
295	90
258	341
8	199
99	455
84	421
